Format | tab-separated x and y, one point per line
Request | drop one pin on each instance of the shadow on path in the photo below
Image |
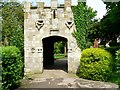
59	64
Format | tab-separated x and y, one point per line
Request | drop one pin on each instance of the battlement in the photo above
54	5
45	7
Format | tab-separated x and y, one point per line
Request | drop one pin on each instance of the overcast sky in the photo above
97	5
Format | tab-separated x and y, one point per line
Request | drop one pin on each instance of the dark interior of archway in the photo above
48	54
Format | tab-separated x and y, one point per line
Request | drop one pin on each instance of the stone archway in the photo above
48	49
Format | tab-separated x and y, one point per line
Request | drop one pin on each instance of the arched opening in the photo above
55	57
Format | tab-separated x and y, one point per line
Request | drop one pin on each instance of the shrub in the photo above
12	67
95	64
115	76
117	63
113	49
89	44
102	46
0	73
113	43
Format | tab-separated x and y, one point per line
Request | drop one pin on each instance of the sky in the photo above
97	5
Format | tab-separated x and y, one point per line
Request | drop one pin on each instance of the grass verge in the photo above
58	56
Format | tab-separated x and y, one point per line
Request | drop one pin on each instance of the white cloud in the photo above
99	6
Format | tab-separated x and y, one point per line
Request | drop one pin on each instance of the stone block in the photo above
67	3
27	6
53	4
25	15
40	5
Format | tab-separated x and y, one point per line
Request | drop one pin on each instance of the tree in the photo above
60	47
12	24
110	24
84	19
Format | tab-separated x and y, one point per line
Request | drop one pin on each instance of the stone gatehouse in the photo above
43	26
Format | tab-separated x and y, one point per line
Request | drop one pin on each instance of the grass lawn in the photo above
58	56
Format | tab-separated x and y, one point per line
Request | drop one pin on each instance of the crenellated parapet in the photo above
53	5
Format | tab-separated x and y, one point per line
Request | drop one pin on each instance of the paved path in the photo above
53	77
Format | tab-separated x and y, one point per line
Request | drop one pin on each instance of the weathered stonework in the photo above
42	23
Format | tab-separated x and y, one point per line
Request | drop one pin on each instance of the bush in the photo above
0	73
12	67
89	44
115	76
114	44
95	64
117	63
113	49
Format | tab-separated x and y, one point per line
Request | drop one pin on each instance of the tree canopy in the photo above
108	28
12	24
110	24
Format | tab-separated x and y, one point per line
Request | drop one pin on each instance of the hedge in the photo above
12	67
95	64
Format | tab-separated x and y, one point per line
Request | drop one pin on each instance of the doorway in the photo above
55	53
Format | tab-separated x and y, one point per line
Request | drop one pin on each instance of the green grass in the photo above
58	56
